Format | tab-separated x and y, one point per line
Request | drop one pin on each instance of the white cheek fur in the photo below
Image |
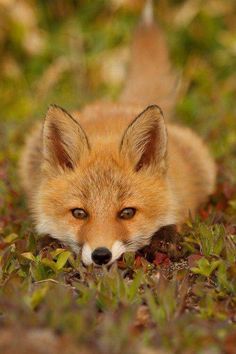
59	231
118	248
87	254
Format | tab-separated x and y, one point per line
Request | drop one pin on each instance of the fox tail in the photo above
150	78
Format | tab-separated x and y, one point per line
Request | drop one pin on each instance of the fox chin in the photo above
105	179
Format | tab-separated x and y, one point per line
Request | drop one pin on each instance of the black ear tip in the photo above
54	106
154	107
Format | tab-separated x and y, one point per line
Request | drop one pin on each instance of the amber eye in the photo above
127	213
79	213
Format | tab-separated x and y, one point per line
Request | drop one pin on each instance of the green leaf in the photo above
157	312
222	278
232	203
133	289
37	297
62	259
47	262
56	252
39	271
129	258
204	267
32	243
210	239
10	238
29	256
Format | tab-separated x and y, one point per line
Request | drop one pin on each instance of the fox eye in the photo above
127	213
79	213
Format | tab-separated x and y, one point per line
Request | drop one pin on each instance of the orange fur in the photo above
109	157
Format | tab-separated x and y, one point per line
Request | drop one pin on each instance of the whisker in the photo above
137	242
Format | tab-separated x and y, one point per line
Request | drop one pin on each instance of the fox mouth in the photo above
114	253
109	256
102	256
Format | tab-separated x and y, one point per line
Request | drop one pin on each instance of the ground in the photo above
179	294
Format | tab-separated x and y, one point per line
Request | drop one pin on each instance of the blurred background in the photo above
72	51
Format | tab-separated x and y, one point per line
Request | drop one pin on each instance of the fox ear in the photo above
145	140
64	141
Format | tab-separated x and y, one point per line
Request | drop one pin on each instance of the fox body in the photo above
105	179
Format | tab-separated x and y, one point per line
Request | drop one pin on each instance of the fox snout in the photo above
102	255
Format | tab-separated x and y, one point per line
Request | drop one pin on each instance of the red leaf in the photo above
204	214
221	205
230	343
228	190
121	263
193	259
138	262
161	258
3	245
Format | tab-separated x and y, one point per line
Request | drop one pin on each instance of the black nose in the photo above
101	255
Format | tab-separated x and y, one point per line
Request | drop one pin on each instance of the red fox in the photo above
105	179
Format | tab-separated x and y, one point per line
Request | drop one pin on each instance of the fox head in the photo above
107	199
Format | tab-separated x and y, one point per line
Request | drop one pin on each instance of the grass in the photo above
179	294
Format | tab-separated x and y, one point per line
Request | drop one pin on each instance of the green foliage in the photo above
204	267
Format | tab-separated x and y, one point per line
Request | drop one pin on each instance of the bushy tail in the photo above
150	78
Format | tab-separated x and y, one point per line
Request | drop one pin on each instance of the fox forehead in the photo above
104	174
95	182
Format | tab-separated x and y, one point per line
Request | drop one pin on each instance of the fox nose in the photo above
101	255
